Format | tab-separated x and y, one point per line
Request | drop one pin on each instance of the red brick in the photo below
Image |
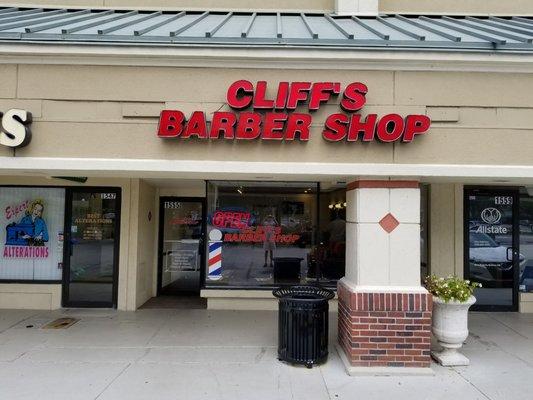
403	358
386	333
359	313
360	327
368	333
396	314
382	323
369	345
395	352
396	340
354	352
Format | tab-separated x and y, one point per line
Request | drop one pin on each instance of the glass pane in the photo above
490	239
182	233
92	254
31	232
526	244
328	257
260	233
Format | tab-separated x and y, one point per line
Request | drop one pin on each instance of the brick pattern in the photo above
385	329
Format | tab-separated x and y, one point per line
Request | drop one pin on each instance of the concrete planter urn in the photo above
450	327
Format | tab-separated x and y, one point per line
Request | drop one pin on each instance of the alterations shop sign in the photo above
256	116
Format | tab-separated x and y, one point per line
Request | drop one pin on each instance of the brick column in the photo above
384	312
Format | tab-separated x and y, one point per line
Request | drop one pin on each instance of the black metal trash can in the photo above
303	324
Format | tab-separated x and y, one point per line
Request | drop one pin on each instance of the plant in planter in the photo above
452	297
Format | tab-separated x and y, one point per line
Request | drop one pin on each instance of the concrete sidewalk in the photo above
200	354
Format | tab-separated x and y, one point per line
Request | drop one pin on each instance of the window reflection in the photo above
274	233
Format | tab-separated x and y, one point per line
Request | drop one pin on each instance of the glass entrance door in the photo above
491	247
181	243
91	251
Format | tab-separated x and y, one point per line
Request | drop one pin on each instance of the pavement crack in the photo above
325	384
113	380
508	327
472	384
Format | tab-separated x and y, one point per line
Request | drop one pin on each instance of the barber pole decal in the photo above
215	255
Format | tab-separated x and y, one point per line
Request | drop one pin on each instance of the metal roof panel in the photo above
265	28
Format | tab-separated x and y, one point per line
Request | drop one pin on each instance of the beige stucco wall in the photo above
96	111
143	230
311	5
30	296
218	299
481	7
465	7
446	229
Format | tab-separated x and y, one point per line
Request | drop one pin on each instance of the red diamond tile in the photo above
389	223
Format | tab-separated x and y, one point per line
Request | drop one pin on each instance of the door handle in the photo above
507	255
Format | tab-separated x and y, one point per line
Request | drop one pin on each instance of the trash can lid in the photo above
303	292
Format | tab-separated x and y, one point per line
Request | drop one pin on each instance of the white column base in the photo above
380	371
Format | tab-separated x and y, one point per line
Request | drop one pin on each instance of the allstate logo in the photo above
491	215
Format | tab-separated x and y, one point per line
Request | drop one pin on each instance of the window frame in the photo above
316	233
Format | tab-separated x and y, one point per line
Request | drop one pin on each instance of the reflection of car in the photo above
490	262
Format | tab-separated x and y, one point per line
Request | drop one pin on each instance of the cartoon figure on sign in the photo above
31	230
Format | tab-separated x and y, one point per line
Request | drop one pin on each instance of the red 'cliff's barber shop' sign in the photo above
275	119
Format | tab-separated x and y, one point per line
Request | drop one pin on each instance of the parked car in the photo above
490	262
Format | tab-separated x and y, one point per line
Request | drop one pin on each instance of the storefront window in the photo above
261	234
329	255
31	234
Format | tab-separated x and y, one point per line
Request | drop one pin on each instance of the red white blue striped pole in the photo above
215	255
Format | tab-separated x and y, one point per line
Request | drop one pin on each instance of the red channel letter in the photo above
354	96
336	127
240	94
249	125
298	124
415	125
390	128
170	123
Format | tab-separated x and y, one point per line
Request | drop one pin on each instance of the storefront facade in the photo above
228	167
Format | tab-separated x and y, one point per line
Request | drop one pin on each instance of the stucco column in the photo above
384	312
